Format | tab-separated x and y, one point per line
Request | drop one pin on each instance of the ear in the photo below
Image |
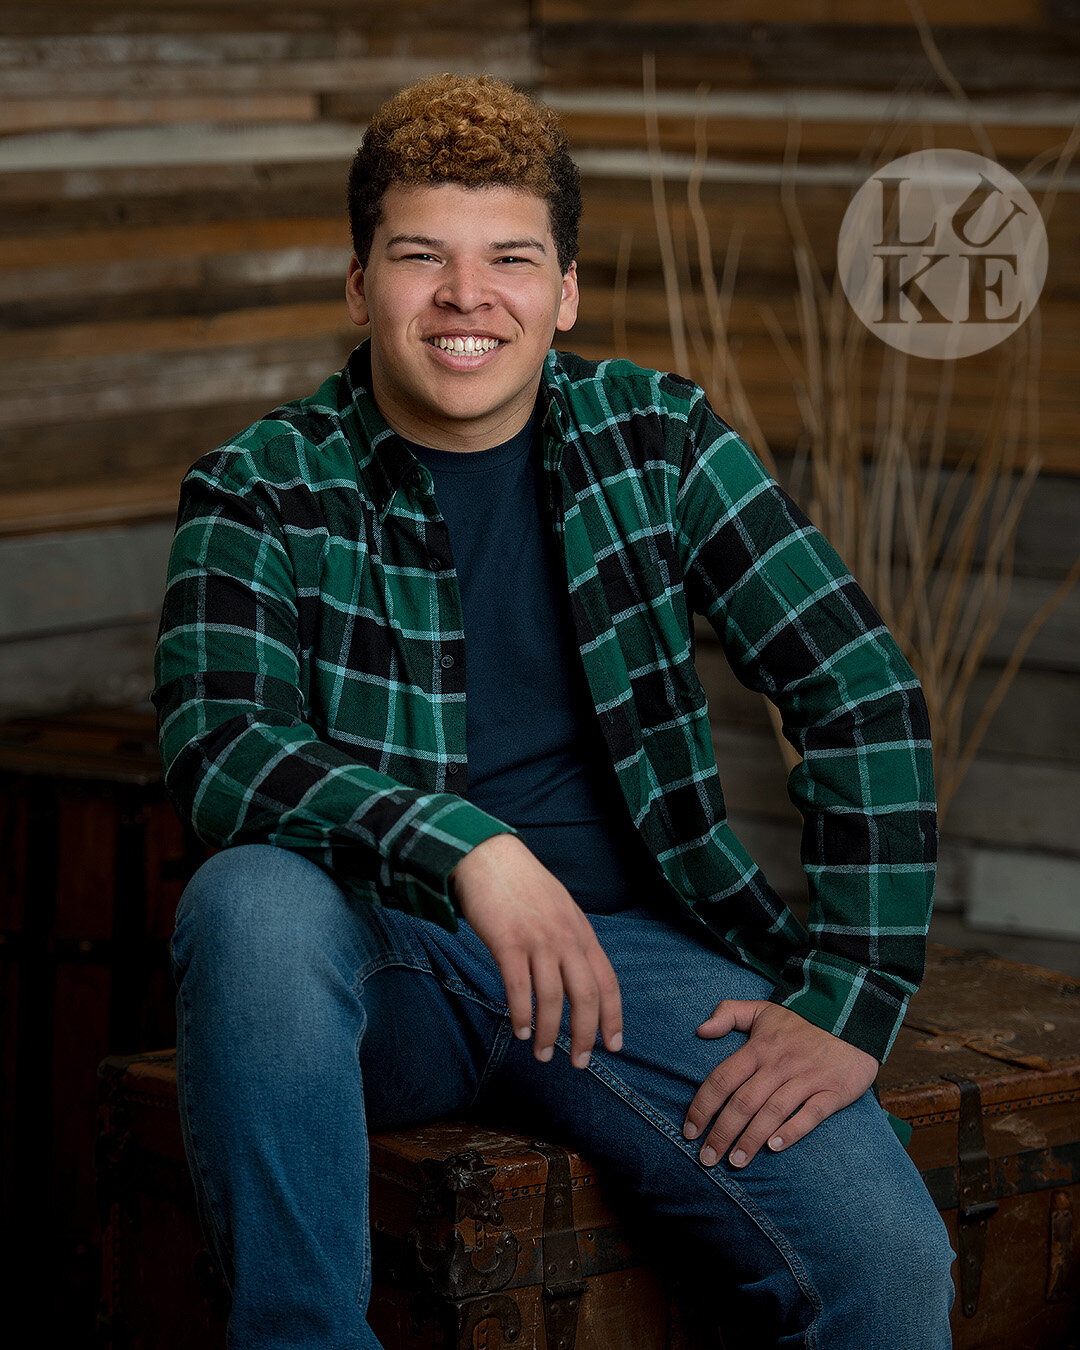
568	306
355	300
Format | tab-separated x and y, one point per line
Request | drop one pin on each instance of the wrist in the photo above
480	854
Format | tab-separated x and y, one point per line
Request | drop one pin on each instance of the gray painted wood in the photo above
1021	891
1051	953
82	580
199	381
251	77
1039	716
164	363
105	667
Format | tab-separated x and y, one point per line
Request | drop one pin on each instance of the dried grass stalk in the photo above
932	543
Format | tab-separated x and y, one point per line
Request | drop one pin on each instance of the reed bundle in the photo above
930	535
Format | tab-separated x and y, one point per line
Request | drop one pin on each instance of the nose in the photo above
463	286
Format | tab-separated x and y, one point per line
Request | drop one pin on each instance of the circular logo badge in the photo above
942	253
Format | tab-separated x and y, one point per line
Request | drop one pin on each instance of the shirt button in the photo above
446	662
418	477
434	563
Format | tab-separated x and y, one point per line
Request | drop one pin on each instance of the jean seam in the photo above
720	1179
494	1060
366	1273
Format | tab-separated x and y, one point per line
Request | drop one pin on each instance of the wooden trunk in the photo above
487	1238
986	1070
483	1239
480	1238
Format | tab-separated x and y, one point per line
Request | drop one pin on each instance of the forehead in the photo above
486	212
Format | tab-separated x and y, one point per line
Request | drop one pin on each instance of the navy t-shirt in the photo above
536	754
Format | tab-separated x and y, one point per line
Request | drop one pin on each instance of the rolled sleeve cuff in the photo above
861	1004
418	873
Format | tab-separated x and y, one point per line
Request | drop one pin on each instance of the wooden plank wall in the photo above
173	241
852	85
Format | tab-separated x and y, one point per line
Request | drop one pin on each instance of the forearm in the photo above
243	761
796	626
869	848
261	776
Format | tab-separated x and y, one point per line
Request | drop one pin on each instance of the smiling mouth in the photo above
467	344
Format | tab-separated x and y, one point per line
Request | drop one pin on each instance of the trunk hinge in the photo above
975	1203
563	1284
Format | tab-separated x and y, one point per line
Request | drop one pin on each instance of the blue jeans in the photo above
306	1018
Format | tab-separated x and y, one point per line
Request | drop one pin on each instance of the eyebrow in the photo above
424	240
509	245
499	246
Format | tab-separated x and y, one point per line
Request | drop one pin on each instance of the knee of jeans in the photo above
252	904
911	1256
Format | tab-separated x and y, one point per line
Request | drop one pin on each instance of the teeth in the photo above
466	344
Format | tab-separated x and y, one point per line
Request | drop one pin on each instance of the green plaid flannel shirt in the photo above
310	677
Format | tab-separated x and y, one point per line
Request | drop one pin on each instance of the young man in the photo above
407	871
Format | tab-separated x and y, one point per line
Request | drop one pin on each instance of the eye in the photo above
513	258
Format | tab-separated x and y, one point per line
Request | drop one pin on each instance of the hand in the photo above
787	1065
542	943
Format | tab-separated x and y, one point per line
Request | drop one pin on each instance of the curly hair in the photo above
474	130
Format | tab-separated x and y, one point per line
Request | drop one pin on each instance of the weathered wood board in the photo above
173	243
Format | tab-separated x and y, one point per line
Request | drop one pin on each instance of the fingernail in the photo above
522	1033
616	1041
738	1158
690	1131
776	1142
546	1053
708	1156
582	1060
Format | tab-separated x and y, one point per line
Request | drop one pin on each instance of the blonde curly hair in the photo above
474	130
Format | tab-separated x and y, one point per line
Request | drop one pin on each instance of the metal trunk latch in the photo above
455	1285
563	1283
975	1202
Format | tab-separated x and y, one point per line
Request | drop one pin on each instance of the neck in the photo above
442	434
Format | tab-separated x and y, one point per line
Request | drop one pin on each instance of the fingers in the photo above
584	998
783	1082
789	1132
611	1017
544	945
737	1087
754	1117
592	988
587	981
548	988
731	1014
514	968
